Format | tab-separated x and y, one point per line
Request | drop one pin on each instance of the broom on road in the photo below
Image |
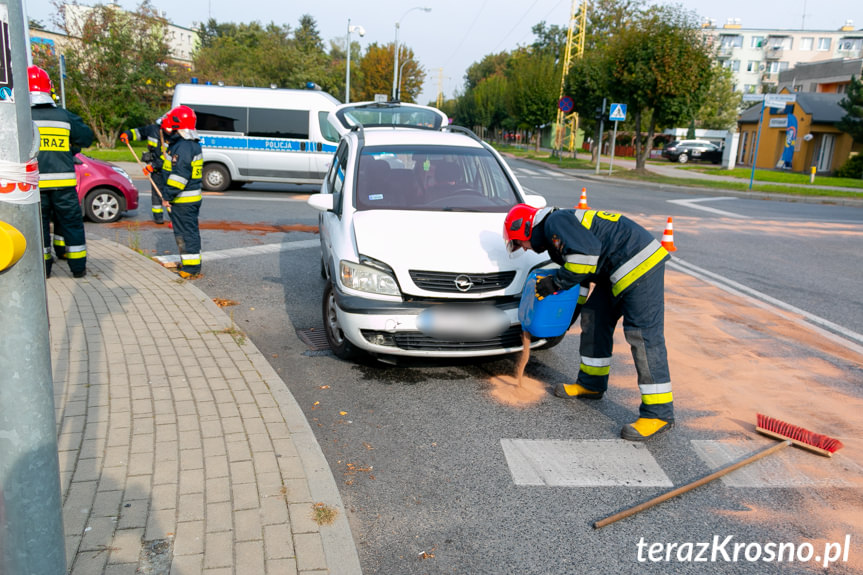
152	183
788	433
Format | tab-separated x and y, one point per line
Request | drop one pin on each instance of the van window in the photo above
220	118
264	123
327	131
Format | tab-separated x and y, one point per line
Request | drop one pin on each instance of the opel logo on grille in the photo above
463	283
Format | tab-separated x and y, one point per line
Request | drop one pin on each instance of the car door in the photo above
329	222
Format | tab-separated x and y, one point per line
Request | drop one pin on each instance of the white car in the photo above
412	247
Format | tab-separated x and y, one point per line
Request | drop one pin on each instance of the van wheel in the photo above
216	178
342	348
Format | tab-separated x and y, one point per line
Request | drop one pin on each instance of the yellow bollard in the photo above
12	246
812	177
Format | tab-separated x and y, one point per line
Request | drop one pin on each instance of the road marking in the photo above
582	463
766	302
246	252
690	203
527	172
784	469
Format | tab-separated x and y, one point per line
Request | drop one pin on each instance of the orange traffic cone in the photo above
668	237
582	202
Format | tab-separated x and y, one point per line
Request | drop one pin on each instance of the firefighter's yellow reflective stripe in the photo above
197	167
657	399
176	181
53	136
187	197
59	240
655	388
166	163
46	253
581	264
582	294
595	365
158	209
191	259
58	180
76	252
637	266
587	218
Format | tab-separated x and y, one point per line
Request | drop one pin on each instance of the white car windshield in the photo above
432	178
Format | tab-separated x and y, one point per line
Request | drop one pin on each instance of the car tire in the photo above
104	205
683	158
342	348
216	178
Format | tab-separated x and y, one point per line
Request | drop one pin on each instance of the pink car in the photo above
104	190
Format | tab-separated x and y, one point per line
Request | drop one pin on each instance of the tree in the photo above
534	87
117	68
852	122
721	102
377	71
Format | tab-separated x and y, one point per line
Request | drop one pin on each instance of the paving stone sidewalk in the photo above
181	450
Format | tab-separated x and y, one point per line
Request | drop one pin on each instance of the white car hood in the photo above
456	242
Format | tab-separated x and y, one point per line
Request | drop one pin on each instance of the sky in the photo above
458	33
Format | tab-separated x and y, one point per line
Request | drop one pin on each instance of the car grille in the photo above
470	283
419	341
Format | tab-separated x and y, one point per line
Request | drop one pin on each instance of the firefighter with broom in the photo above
181	191
626	266
152	159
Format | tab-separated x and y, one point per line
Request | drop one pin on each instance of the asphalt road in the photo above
435	470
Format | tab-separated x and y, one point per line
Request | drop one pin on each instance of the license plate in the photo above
462	322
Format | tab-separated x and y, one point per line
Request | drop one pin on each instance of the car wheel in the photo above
103	205
216	178
682	158
340	345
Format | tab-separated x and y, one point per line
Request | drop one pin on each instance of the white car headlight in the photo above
123	173
367	279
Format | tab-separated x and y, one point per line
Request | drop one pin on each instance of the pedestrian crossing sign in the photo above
618	112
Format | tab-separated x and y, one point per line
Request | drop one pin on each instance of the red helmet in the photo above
179	118
39	80
518	224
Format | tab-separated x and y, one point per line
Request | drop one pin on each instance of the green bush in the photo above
853	168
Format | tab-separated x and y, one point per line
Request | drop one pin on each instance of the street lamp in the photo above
399	90
361	32
396	50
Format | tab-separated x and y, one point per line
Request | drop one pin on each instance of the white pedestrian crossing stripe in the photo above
245	252
582	463
788	468
527	172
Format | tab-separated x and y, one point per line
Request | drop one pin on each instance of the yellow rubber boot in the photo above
569	390
643	429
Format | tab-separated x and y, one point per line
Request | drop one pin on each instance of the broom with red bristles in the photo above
789	434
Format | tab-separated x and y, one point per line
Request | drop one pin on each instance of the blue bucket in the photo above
549	317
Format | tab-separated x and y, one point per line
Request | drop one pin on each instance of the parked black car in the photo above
685	150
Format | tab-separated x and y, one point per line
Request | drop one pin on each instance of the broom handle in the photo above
690	486
155	187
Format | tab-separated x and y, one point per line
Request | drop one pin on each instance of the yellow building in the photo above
797	137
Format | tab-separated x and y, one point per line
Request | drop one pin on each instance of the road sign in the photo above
779	100
618	113
565	104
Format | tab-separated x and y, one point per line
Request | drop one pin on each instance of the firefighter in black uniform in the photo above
61	135
183	165
626	266
153	159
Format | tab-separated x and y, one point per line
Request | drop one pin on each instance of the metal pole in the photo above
396	61
348	70
601	125
757	140
613	146
31	517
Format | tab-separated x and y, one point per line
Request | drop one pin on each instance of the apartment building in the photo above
756	56
182	41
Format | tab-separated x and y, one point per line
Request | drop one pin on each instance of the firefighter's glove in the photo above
124	137
545	286
148	169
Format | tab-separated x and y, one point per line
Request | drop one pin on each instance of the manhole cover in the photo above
314	337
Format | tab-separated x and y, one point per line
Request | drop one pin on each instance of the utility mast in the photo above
574	49
439	101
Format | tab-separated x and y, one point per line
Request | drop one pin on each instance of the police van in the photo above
261	134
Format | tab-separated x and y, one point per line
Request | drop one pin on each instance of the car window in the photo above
327	130
432	178
336	176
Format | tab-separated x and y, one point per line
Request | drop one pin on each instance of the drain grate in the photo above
315	338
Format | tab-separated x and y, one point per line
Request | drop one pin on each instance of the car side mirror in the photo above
322	202
535	201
